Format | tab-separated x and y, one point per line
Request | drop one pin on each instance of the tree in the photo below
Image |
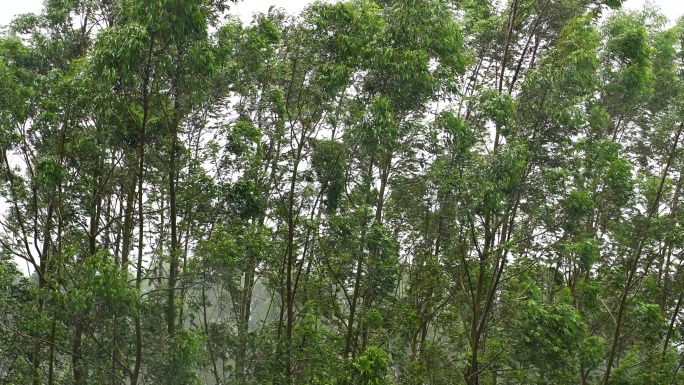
369	192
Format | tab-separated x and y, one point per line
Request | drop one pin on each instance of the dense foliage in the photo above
370	192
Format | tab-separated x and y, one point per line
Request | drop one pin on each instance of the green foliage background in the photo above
370	192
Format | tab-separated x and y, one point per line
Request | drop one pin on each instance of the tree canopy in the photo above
369	192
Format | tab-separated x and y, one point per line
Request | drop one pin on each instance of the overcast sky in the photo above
673	9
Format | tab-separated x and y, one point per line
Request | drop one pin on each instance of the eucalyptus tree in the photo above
59	203
650	131
517	105
160	66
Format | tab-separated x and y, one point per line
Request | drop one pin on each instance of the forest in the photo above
369	192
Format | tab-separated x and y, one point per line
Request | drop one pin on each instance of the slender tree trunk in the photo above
77	355
349	338
141	218
205	323
174	249
51	367
290	261
243	325
42	284
472	370
127	230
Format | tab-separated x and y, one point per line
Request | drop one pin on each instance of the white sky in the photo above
673	9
